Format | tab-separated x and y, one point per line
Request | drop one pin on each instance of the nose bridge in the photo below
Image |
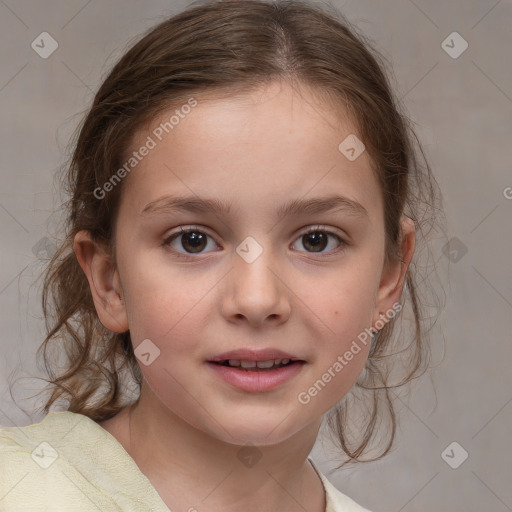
252	262
256	287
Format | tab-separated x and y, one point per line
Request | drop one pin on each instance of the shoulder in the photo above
69	462
36	469
336	501
29	462
36	443
39	444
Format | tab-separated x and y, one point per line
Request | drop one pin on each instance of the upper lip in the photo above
245	354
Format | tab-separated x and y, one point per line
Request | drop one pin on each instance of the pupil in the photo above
194	239
318	240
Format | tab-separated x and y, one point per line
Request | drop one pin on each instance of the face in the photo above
257	276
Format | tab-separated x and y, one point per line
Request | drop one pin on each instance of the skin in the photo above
257	151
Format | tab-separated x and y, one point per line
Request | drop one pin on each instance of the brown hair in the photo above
220	47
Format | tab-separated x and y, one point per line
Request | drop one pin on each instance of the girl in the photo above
242	222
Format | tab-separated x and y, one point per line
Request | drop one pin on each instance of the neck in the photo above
190	468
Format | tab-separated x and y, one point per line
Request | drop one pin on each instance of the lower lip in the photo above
255	381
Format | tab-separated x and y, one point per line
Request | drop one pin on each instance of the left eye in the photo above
318	239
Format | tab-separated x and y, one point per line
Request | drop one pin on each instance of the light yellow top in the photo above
68	462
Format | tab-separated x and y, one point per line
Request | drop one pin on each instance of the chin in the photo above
255	431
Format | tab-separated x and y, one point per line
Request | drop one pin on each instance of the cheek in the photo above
346	307
341	356
346	303
349	315
161	300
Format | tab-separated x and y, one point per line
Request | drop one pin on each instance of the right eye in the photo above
192	240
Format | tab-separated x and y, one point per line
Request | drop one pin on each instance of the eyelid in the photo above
184	256
320	227
343	240
193	227
189	227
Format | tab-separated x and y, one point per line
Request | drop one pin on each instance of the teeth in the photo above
260	364
266	364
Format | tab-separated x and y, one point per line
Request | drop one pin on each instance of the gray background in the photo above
462	109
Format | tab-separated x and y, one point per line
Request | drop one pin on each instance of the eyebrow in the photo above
332	203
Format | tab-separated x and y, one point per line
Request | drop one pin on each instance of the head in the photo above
252	107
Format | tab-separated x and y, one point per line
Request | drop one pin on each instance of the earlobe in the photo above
393	276
103	280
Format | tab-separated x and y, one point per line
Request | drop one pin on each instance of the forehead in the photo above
252	150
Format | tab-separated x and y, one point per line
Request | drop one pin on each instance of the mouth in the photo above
258	366
257	376
256	371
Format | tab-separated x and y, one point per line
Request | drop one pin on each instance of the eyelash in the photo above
314	229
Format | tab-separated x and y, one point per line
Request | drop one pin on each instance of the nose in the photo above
256	292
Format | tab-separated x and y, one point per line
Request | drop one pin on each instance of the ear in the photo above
103	280
393	274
